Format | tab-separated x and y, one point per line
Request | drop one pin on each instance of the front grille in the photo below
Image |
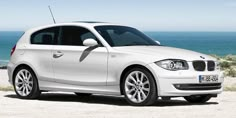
210	65
201	65
213	86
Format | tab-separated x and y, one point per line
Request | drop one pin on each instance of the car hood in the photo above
164	52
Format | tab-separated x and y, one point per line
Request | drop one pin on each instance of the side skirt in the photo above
54	86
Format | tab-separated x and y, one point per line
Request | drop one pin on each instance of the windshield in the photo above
124	36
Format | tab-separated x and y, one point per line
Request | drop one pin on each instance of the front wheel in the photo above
26	84
197	98
139	87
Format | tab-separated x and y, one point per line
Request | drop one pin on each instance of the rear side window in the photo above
47	36
73	35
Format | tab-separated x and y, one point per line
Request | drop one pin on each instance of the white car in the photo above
103	58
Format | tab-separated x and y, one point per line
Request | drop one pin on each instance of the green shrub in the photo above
230	88
224	64
230	57
9	88
230	72
233	63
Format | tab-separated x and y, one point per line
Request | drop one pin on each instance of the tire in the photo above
197	98
83	94
26	84
139	87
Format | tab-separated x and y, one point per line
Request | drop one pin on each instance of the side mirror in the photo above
90	42
158	42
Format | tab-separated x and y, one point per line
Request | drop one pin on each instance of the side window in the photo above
72	35
47	36
125	38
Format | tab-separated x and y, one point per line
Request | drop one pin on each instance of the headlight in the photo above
173	64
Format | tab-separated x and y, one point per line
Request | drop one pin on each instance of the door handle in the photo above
57	54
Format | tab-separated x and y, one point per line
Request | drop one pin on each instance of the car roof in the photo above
87	24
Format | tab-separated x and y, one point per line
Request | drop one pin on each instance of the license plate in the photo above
208	78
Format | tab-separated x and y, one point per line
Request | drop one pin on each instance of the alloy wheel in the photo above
137	86
23	82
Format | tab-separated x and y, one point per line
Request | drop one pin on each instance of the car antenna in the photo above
52	14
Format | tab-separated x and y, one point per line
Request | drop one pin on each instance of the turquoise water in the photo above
219	43
7	41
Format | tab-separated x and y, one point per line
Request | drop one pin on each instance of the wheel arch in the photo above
131	67
35	91
19	66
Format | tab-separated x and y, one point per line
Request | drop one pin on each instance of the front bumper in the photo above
184	82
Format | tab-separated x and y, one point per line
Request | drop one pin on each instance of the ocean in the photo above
7	40
218	43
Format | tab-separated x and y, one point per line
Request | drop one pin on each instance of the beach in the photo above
68	105
4	78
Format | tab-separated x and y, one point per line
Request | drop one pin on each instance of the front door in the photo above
74	63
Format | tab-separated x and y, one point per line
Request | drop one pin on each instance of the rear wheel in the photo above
139	87
198	98
26	84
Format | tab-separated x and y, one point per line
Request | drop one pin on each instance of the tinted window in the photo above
124	36
46	36
72	35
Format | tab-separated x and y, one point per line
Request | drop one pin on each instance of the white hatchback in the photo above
102	58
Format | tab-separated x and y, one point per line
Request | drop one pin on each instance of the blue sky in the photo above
147	15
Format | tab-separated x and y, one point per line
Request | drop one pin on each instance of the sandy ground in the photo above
230	81
66	105
4	78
